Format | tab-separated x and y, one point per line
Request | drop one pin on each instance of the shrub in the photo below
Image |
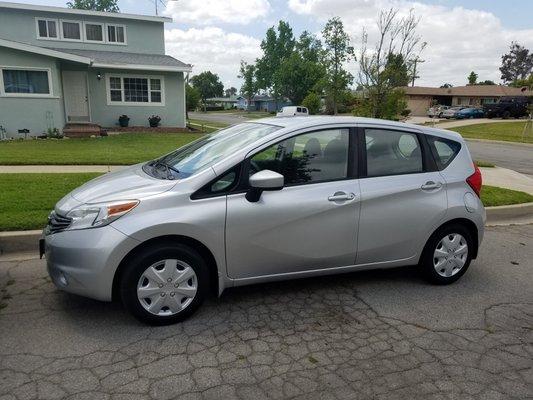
312	102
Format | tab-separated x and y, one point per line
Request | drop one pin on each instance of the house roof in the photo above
123	60
44	51
71	11
470	90
231	99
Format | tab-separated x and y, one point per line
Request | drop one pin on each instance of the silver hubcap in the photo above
450	255
167	287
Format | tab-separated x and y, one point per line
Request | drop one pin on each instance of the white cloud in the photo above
207	12
212	49
459	40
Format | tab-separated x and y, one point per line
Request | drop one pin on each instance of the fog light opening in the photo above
62	279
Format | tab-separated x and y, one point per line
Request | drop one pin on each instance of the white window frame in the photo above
104	32
130	103
37	19
80	25
3	93
125	43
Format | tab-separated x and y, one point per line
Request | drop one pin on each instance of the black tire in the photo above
506	114
146	258
427	259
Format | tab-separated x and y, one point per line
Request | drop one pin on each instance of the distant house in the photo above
226	102
419	98
62	66
262	102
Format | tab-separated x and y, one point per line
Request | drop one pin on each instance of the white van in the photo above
291	111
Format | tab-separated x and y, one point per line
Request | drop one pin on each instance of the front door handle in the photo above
430	185
341	196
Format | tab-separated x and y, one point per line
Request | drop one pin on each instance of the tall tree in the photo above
383	68
277	46
249	87
337	52
232	91
472	78
517	64
446	86
301	72
192	97
208	85
95	5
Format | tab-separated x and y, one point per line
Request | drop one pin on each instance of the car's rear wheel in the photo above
447	254
506	114
164	284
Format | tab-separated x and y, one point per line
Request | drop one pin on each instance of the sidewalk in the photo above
445	124
507	178
58	169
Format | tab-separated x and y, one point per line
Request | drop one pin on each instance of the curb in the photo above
521	144
25	241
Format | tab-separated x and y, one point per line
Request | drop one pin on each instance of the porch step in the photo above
74	130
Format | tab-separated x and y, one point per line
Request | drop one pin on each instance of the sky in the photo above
461	35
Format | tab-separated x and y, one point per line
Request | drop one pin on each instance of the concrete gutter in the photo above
28	241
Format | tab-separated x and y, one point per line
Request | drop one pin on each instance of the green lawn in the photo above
123	149
508	131
27	199
494	196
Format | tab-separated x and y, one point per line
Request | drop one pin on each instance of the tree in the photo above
472	78
523	82
486	82
232	91
208	85
95	5
277	47
312	102
446	86
249	87
517	64
384	68
192	97
337	52
300	72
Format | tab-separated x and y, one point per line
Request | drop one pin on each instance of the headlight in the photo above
99	214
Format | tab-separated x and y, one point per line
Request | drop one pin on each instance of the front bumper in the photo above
84	261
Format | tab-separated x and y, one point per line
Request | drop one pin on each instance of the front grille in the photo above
57	223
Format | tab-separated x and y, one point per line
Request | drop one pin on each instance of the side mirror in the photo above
261	181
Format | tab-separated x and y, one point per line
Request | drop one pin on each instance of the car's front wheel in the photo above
447	255
164	284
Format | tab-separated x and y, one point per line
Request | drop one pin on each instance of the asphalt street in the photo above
368	335
514	156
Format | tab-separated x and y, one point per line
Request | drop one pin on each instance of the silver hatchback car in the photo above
279	198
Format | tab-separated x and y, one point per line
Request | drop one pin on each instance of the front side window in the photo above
47	28
23	82
308	158
94	32
116	34
392	153
71	30
135	90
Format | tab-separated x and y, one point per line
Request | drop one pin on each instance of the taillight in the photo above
475	180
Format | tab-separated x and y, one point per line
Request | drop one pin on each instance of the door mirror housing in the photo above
261	181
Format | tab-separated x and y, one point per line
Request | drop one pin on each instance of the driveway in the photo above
375	334
223	118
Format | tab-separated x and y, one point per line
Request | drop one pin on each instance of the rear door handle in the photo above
341	196
430	185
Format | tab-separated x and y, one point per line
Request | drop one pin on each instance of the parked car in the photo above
450	112
436	111
291	111
508	107
469	113
274	199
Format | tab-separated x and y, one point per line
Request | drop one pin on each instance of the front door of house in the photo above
76	96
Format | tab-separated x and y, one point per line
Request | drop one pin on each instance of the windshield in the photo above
206	151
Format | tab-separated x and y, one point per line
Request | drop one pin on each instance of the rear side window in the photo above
392	153
444	150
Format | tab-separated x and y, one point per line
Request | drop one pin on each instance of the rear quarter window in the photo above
443	150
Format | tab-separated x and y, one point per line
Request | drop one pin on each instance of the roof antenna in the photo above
157	3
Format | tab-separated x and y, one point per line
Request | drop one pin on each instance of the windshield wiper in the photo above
168	168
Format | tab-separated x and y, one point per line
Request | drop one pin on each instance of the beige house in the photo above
419	98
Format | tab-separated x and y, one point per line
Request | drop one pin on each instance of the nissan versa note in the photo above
279	198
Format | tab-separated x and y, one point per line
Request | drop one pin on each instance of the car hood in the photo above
127	184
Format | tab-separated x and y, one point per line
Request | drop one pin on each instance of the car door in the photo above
403	196
309	224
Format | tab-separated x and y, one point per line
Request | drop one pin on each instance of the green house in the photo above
73	69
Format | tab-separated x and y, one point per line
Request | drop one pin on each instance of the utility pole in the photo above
415	62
